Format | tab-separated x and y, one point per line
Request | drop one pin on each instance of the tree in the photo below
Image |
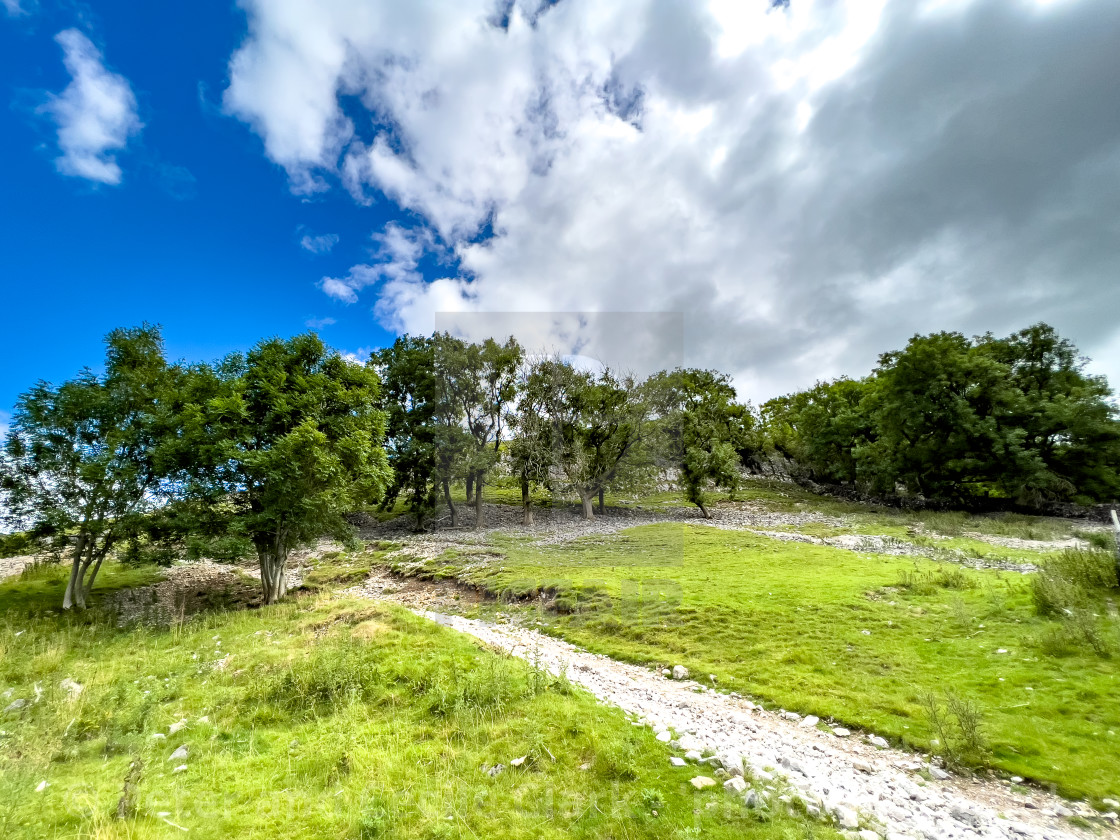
80	463
699	429
935	408
289	439
426	441
595	425
821	428
481	384
531	450
1069	436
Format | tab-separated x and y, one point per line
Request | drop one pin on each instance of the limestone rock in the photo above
677	761
701	782
735	784
680	672
72	689
179	754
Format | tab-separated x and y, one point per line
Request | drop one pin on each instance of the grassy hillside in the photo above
319	718
864	638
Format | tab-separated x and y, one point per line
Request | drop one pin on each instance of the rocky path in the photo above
876	790
555	526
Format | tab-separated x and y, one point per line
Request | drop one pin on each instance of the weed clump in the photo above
1071	587
956	727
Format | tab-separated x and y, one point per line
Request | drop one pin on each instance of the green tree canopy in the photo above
699	429
290	439
80	460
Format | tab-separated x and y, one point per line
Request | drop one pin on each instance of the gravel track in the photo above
837	775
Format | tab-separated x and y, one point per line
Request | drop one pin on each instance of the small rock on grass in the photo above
72	689
42	786
701	782
847	817
677	761
735	784
810	721
178	754
939	774
693	755
496	769
517	762
841	732
665	736
180	769
878	741
680	672
15	706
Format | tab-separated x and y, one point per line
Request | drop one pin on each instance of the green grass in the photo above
874	519
332	719
39	588
785	622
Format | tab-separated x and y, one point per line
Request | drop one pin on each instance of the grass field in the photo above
861	638
330	718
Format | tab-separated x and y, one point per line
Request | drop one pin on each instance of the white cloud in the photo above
95	114
321	244
809	186
13	8
319	323
397	254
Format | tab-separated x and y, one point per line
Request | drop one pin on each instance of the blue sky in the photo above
779	191
202	235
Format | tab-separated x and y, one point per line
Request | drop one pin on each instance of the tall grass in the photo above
1071	587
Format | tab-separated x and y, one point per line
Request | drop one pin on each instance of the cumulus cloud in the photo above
809	184
397	256
321	244
95	114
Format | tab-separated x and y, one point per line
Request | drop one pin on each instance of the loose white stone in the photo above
841	732
735	784
701	782
677	761
180	768
178	754
665	736
517	762
680	672
42	786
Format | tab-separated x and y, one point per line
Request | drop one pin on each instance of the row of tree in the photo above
263	452
259	453
956	419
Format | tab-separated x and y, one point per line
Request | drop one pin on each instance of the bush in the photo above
956	727
1070	587
1074	579
17	544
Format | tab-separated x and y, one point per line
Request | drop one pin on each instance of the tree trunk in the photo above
73	588
274	582
602	503
470	487
588	500
703	510
479	516
1116	536
87	587
526	503
450	504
